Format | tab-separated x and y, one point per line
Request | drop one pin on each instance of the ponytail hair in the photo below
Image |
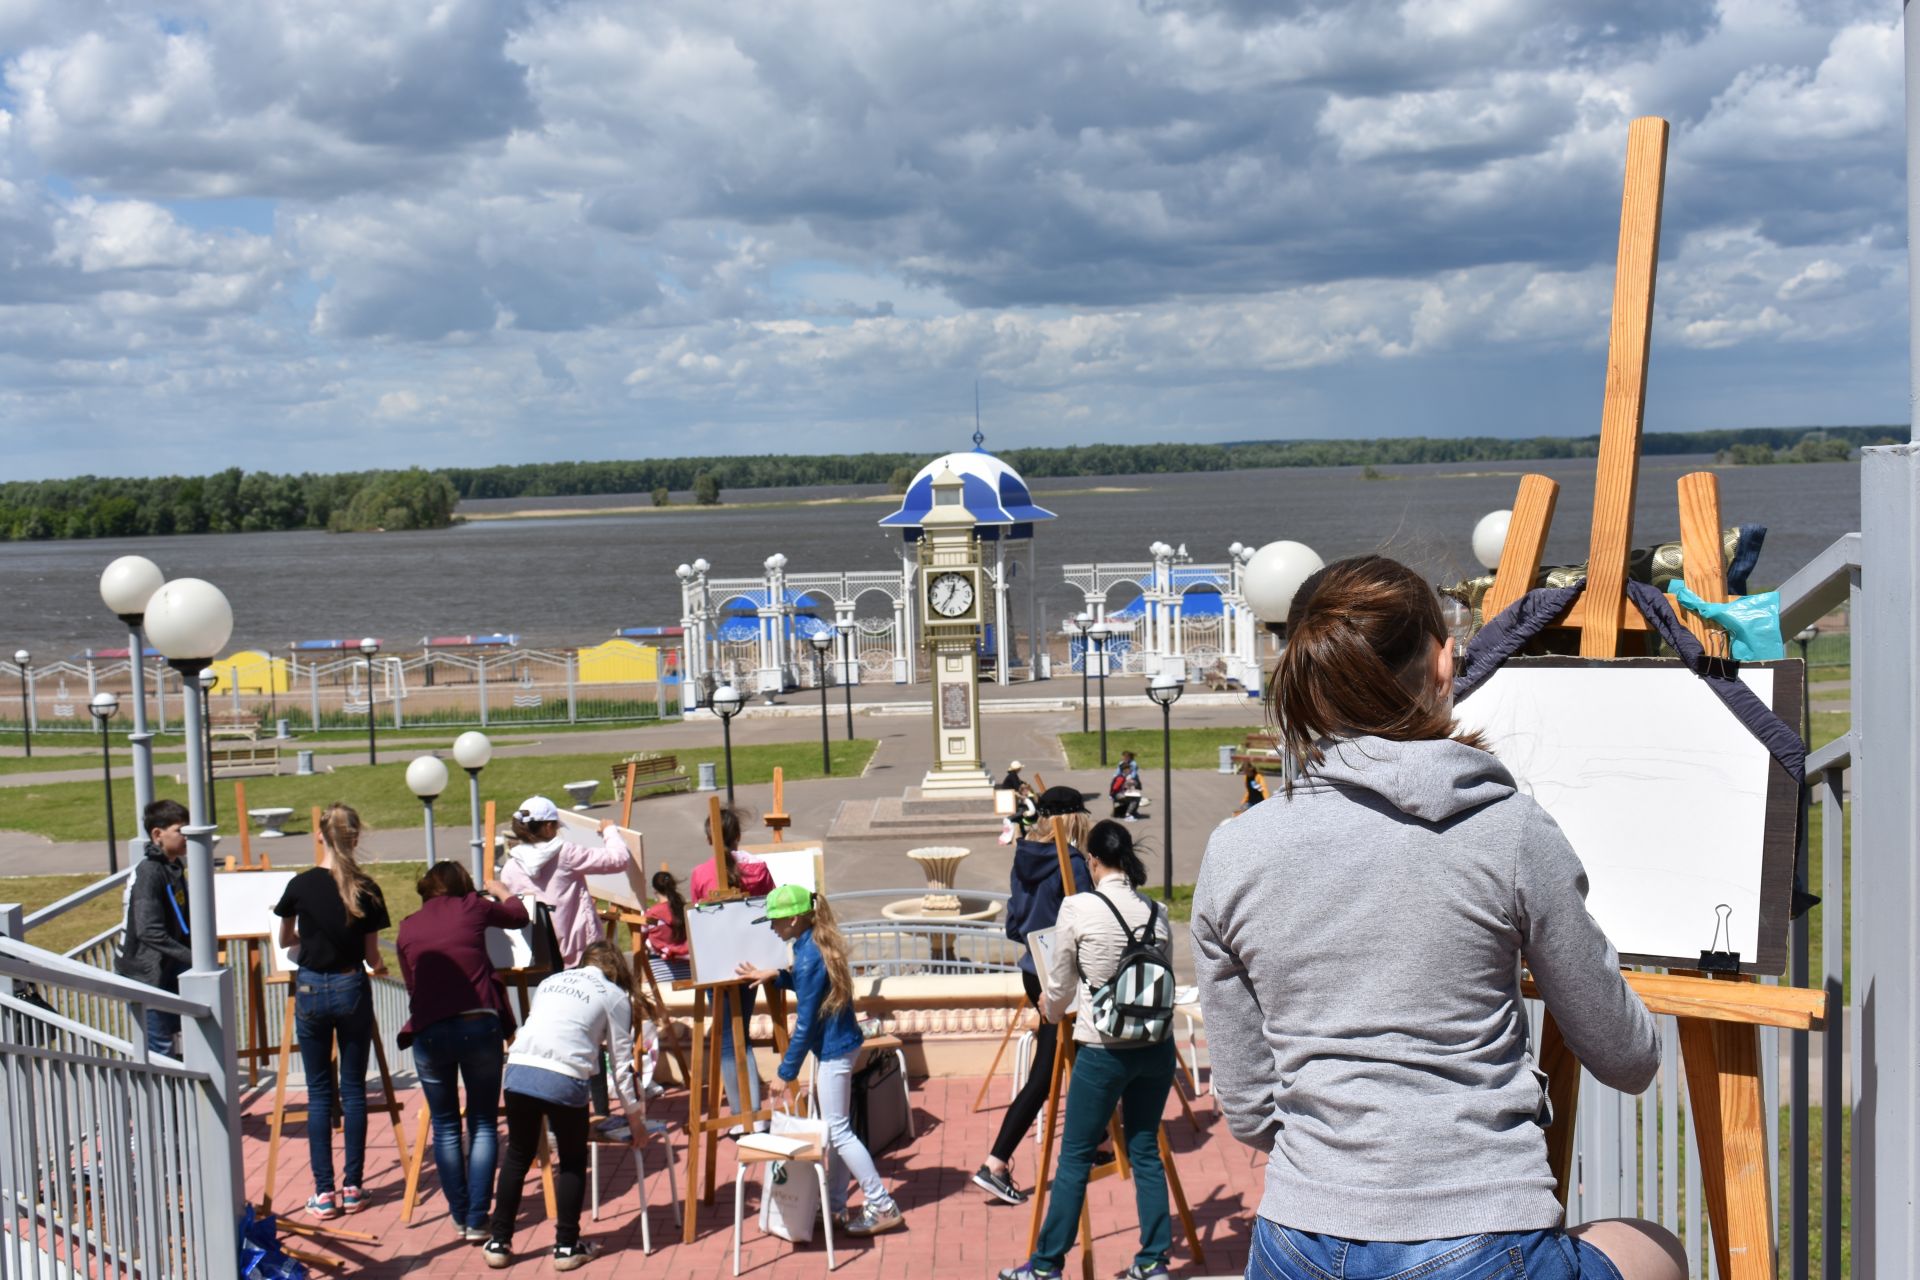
729	837
340	827
526	832
1357	662
832	945
1111	845
667	887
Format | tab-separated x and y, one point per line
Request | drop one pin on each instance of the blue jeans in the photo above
445	1053
330	1007
1137	1081
833	1079
729	1072
162	1030
1281	1253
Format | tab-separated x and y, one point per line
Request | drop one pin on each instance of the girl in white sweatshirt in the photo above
577	1015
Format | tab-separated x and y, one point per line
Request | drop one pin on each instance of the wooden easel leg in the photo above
1086	1241
1563	1099
1180	1200
696	1097
1723	1081
257	994
1043	1176
412	1198
1006	1038
743	1062
279	1105
392	1106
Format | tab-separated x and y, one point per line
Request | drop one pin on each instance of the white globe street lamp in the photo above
427	778
127	586
1165	689
471	751
368	647
1274	575
103	708
1490	538
189	621
726	704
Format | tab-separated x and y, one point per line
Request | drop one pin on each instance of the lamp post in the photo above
1081	621
20	659
726	704
369	647
1806	637
1490	538
126	586
471	751
846	670
427	778
206	680
1165	689
103	707
1273	576
821	642
1099	632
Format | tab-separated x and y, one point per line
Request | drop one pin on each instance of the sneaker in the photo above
352	1199
574	1256
475	1235
323	1205
1030	1271
999	1185
872	1219
498	1253
1155	1271
613	1131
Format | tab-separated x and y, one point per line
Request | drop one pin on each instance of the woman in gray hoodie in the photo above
1358	945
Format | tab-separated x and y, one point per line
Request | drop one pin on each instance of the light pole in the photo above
1806	637
726	704
1490	538
1273	576
369	647
1098	633
1165	689
1081	622
427	778
20	659
847	668
206	680
103	707
821	642
471	751
126	586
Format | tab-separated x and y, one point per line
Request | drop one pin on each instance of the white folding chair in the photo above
754	1149
640	1181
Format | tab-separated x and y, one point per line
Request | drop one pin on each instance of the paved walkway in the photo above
953	1229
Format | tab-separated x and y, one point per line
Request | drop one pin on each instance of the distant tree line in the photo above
236	501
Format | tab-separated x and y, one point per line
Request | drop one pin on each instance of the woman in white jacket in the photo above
577	1015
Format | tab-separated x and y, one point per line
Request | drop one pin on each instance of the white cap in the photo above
538	809
1015	767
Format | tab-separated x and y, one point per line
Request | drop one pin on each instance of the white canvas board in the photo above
515	948
722	936
243	903
628	889
798	864
1040	944
1658	787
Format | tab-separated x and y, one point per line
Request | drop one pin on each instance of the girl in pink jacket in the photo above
555	870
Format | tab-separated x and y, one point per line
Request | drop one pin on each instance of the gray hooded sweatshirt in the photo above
1358	948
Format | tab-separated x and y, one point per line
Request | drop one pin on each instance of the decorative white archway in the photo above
1160	628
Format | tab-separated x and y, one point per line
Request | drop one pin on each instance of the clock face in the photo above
951	594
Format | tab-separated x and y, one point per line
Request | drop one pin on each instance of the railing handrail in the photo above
27	963
79	897
1837	754
1820	585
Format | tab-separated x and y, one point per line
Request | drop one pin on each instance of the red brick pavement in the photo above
953	1229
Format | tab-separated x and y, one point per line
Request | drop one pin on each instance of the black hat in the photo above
1059	800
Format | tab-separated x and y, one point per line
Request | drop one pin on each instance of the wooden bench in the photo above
242	758
651	773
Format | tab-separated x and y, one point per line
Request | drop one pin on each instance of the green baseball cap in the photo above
785	902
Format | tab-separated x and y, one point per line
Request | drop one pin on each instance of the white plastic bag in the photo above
1008	832
789	1192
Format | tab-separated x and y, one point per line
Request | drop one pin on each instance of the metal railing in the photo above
884	948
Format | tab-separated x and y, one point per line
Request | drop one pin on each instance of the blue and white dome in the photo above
992	491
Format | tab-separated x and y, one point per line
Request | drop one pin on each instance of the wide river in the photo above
575	580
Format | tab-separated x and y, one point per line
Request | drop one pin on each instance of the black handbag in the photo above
879	1103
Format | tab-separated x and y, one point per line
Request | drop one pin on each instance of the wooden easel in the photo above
253	1049
778	819
1063	1054
1719	1017
707	1115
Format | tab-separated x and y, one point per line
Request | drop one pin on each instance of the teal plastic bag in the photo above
1752	623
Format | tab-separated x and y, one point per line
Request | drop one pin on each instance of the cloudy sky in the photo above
284	234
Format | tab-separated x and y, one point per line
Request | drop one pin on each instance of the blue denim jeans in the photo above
445	1053
1281	1253
162	1030
1136	1081
330	1008
846	1154
729	1073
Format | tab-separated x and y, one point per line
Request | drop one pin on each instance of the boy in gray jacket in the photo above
153	943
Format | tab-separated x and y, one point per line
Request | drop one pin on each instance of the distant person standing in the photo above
1013	781
153	947
1124	790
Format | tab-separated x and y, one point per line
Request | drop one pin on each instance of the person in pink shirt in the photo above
553	869
751	878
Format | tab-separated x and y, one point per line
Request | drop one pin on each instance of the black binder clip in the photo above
1715	960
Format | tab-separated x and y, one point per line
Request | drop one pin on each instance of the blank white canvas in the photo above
243	903
513	948
620	887
722	936
791	866
1660	790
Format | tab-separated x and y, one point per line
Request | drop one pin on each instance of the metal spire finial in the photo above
979	436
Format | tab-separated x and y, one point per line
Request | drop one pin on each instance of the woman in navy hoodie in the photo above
1035	903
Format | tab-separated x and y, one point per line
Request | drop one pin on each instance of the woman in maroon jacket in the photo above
459	1025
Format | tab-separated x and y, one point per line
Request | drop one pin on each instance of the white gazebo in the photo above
1004	516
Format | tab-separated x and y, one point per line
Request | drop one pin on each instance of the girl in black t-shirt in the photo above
334	914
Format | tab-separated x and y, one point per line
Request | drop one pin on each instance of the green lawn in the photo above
44	761
72	810
1192	748
1182	908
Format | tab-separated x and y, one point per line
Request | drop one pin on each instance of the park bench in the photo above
651	772
236	753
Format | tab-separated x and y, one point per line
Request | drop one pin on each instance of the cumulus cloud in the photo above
488	212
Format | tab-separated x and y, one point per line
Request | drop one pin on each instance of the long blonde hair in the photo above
340	827
833	951
1076	825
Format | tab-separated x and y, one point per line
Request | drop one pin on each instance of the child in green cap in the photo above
824	1025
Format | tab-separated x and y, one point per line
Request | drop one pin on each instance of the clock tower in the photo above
952	621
